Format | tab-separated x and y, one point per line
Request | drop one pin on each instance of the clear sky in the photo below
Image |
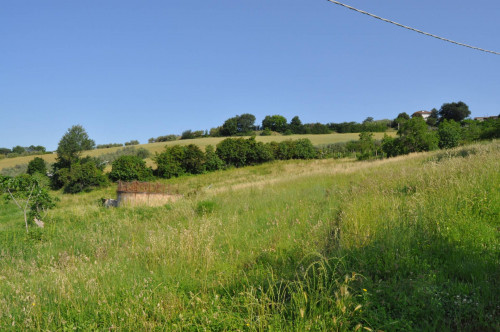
139	69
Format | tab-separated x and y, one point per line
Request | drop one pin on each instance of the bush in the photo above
166	138
109	145
82	176
194	159
304	149
129	168
266	132
212	160
449	133
233	152
127	151
132	142
37	165
169	162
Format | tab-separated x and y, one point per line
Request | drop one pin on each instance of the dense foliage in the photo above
129	168
37	165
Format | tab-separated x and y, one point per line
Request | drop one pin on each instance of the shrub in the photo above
304	149
129	168
37	165
266	132
109	145
82	176
233	152
14	170
449	133
212	160
169	162
194	159
132	142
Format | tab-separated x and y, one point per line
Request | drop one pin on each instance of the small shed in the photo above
144	194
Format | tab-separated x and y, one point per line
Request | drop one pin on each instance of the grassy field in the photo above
201	142
401	244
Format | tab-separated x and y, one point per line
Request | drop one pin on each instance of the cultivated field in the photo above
201	142
401	244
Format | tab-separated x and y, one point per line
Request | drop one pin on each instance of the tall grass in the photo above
409	243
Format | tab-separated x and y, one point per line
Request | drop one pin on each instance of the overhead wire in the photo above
410	28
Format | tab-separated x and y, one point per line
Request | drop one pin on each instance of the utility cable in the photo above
410	28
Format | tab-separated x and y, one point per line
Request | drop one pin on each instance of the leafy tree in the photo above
432	120
38	148
366	145
37	165
275	123
18	149
71	145
402	117
169	162
296	125
246	123
316	128
449	133
129	168
5	150
414	136
454	111
230	127
368	120
28	193
239	125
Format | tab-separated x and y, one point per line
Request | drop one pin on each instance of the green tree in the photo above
296	125
29	195
454	111
415	136
71	145
275	123
401	118
18	149
246	124
366	145
37	165
230	127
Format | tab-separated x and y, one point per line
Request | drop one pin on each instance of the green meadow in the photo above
410	243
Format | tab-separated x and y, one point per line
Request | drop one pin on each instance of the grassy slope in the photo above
202	142
409	243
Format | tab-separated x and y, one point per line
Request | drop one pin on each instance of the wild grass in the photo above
407	243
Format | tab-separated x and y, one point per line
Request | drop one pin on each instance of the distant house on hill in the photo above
424	114
482	118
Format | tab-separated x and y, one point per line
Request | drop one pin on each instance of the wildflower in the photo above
33	303
364	290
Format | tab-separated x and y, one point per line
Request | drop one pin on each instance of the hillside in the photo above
405	243
201	142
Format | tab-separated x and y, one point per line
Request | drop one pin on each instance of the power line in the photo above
410	28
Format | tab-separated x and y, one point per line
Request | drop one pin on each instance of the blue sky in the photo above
139	69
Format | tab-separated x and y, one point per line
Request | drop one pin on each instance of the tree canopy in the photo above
454	111
72	144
